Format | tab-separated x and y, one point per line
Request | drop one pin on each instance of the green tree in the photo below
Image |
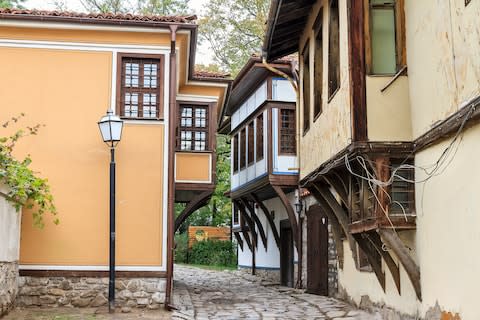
156	7
162	7
218	212
234	29
12	4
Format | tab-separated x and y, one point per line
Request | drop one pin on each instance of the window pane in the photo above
287	132
383	40
131	105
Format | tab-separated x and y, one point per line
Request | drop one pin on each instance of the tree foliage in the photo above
25	188
234	29
12	4
218	212
155	7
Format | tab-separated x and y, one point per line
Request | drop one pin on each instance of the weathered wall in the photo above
9	252
448	237
388	112
443	54
90	292
331	132
355	284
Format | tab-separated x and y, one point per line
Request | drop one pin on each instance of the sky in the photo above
203	56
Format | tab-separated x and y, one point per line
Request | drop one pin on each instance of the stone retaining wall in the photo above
8	286
90	292
270	275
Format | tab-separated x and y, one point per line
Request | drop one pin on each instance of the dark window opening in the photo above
236	215
251	144
260	137
318	67
243	147
235	153
402	192
306	89
287	132
333	49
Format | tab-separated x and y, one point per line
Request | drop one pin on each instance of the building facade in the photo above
388	105
65	70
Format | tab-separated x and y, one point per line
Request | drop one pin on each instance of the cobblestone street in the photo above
205	294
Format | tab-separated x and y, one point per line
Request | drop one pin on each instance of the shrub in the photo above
213	252
181	248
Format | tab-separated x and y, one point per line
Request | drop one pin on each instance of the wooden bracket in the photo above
196	203
375	240
246	236
239	240
257	222
291	215
396	245
376	264
248	220
269	217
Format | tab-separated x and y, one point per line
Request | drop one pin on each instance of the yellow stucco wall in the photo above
68	91
331	132
441	82
193	167
388	113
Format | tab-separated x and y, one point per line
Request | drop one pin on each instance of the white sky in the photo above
203	56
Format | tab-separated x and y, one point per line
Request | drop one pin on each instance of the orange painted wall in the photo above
69	91
193	167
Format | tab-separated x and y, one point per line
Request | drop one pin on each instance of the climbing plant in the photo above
25	187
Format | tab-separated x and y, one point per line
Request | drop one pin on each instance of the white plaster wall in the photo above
448	236
250	105
443	56
267	258
282	90
359	283
9	230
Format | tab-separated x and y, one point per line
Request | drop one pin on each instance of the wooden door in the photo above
317	252
286	254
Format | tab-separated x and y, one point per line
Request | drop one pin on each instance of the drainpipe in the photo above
297	94
171	166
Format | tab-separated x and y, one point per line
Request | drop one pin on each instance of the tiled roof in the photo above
204	74
93	17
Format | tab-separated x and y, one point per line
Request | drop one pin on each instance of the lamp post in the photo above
111	129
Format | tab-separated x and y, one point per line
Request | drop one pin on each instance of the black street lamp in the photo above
111	129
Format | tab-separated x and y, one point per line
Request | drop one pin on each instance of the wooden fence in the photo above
199	233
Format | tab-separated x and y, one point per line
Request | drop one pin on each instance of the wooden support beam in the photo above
336	185
196	203
374	263
257	221
248	220
269	217
398	247
246	236
375	240
291	215
337	230
239	239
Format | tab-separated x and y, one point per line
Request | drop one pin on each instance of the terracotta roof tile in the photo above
204	74
64	15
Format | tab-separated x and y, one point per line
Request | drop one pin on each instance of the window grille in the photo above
193	128
287	132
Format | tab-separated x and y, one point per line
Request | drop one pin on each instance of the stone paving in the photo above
231	295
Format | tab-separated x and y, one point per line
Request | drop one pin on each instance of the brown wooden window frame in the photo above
243	148
141	90
235	152
318	66
201	132
400	37
251	143
400	186
235	214
306	87
287	143
259	137
334	81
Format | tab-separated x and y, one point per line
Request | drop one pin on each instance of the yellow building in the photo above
64	71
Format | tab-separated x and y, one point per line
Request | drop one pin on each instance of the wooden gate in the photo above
286	254
317	251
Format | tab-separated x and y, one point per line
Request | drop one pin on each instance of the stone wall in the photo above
270	275
90	292
8	286
9	252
